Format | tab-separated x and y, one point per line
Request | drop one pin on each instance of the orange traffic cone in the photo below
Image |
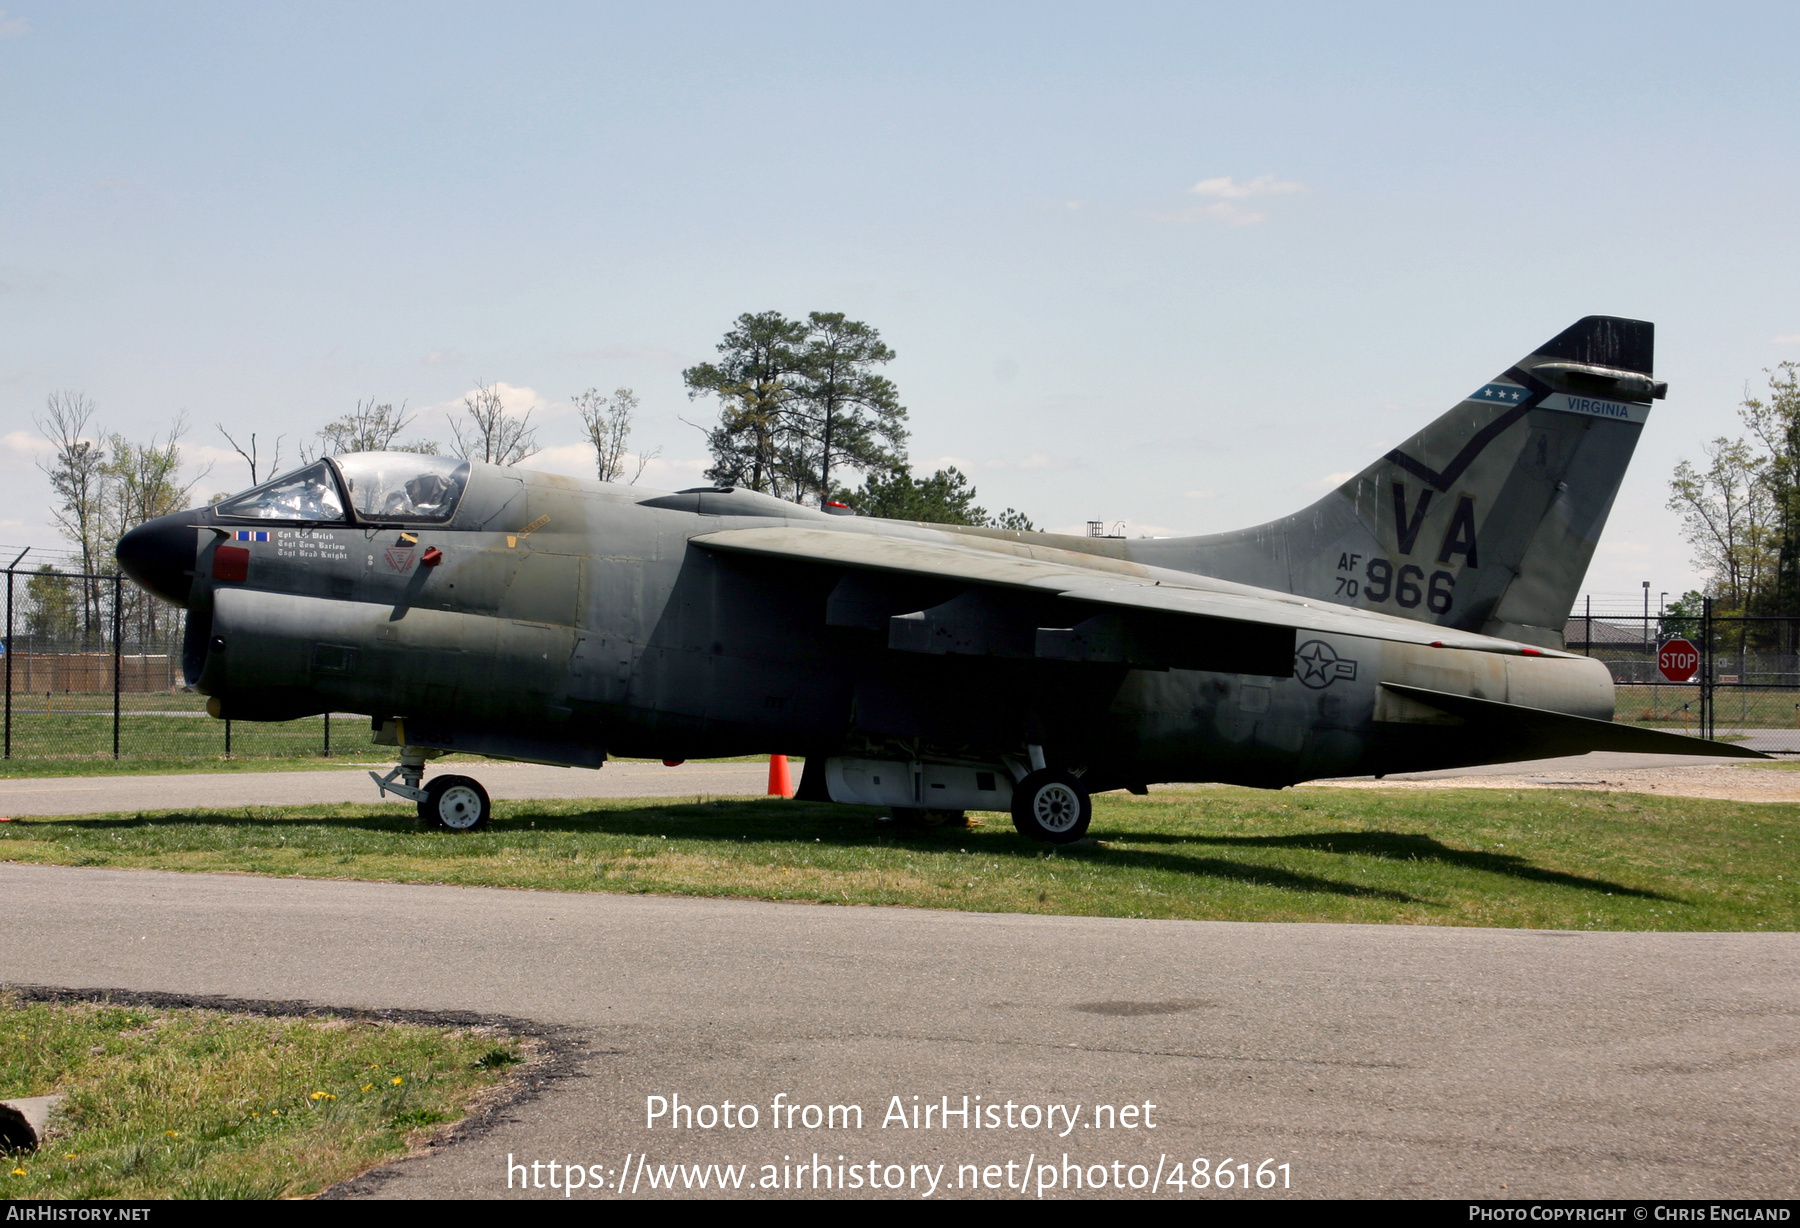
781	781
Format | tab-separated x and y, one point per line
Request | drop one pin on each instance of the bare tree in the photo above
144	482
608	422
145	479
77	473
370	427
493	436
1726	513
250	456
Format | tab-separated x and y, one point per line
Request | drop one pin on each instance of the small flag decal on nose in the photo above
253	535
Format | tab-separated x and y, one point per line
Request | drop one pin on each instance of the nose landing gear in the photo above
456	803
451	803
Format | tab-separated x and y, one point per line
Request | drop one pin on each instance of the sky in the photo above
1177	266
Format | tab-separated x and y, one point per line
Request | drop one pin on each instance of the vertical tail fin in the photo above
1485	520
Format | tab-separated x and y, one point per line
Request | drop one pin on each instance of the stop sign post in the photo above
1678	660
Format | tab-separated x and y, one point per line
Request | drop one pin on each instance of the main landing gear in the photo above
450	803
1050	805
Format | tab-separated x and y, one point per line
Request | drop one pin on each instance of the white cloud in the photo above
1227	188
23	441
957	462
519	401
13	27
1226	191
1201	494
576	460
515	400
1043	460
441	358
1788	339
1332	481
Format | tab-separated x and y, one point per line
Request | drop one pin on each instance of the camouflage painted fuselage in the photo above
565	621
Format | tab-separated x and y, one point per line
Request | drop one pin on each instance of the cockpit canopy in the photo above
403	485
386	487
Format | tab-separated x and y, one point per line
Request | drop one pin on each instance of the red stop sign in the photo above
1678	660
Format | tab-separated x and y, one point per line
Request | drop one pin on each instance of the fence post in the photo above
118	652
328	735
1706	667
9	657
228	737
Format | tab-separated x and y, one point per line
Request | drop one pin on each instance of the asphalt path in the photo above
43	795
37	795
1372	1060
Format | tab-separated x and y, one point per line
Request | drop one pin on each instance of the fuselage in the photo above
565	621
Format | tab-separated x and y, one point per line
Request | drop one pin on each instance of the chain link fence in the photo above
93	671
1745	688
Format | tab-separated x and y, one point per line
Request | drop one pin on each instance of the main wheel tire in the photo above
456	803
1050	805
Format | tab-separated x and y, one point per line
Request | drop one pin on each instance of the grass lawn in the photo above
263	752
85	739
1537	858
175	1103
358	757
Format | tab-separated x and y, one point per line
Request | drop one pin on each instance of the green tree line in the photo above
803	407
1740	507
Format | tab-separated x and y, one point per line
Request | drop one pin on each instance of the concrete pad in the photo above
96	794
24	1122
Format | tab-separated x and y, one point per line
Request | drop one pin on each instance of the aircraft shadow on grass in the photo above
1408	846
754	822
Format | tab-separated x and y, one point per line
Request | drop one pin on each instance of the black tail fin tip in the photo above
1606	341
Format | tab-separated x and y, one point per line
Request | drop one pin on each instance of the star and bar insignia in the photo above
1499	394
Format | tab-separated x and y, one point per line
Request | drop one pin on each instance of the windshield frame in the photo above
346	496
343	489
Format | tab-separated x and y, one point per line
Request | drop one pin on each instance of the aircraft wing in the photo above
1094	580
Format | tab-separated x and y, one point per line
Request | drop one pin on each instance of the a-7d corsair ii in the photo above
1410	619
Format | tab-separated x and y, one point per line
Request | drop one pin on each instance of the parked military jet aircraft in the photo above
1410	619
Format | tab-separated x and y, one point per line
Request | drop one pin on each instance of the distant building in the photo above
1593	635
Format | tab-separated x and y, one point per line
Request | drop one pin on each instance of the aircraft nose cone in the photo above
159	554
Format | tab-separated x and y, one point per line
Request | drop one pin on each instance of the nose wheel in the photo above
456	803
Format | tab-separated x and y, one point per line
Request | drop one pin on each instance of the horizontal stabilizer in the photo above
1558	733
